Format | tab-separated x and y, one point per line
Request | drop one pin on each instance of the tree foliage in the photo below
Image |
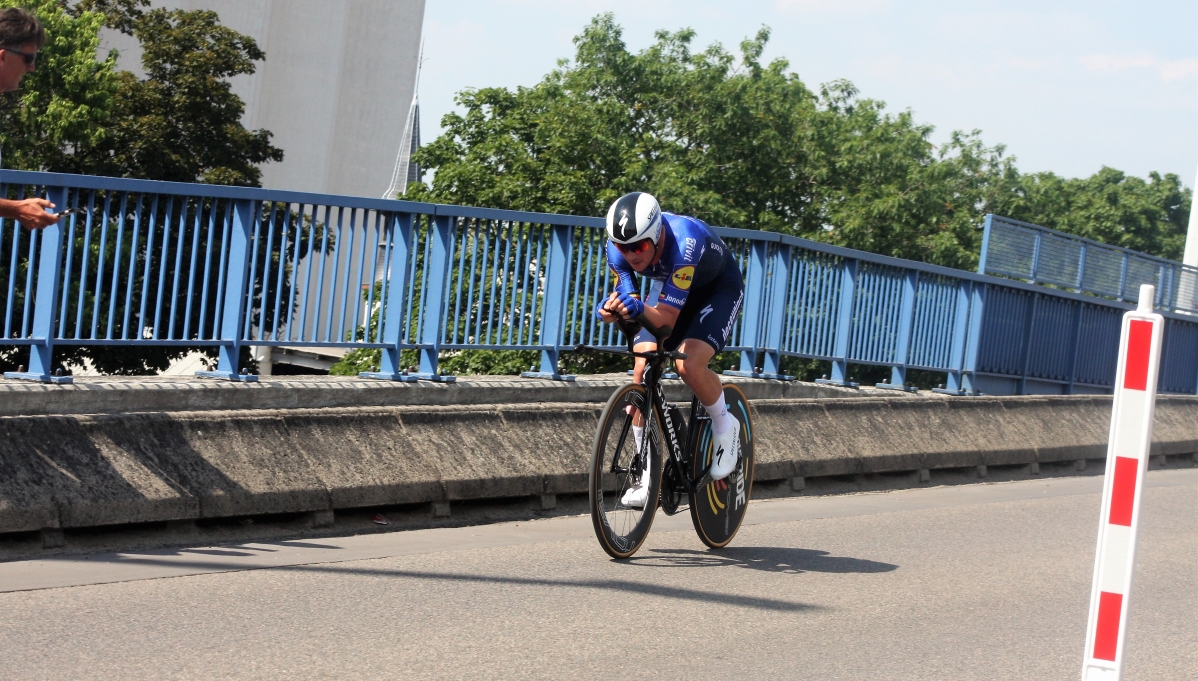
745	144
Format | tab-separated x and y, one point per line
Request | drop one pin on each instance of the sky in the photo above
1068	86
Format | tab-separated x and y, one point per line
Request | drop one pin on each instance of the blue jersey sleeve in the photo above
622	273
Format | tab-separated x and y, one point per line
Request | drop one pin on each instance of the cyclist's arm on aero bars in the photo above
659	317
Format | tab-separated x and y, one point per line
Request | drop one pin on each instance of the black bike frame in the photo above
655	365
677	453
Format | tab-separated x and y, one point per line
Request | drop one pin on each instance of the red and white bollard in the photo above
1126	464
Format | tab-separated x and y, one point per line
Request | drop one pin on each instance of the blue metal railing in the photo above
1040	255
154	263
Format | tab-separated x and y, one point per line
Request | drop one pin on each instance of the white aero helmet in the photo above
633	217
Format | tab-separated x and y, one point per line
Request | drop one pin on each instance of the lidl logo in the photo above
683	276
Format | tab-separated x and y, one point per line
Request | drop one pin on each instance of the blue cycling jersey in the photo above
692	257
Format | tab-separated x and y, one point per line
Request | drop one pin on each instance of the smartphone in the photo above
70	211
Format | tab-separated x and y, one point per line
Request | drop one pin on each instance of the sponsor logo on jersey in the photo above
704	312
688	248
672	300
683	276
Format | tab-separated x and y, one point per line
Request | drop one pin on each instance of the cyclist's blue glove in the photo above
634	305
599	310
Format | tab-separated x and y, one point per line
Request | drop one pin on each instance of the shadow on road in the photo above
765	558
617	585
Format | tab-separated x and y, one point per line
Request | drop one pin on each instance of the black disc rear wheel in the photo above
718	508
617	467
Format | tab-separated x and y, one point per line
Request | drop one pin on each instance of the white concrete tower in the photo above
336	88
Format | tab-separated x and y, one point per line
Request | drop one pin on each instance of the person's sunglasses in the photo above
636	246
29	57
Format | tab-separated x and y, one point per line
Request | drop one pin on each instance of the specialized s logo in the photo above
683	276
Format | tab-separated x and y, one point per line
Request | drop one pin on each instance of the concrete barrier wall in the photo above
85	470
124	395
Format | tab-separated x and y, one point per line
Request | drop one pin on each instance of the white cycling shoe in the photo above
636	496
725	451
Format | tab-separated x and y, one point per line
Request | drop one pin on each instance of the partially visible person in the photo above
21	37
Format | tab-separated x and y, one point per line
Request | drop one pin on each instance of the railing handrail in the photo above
216	191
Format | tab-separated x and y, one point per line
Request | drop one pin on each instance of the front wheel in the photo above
617	466
718	508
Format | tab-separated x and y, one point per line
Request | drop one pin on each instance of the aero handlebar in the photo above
630	327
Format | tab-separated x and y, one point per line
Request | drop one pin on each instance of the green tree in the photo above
744	144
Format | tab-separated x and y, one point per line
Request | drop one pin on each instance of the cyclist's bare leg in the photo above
695	373
638	375
707	387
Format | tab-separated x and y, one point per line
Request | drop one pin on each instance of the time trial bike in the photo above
717	508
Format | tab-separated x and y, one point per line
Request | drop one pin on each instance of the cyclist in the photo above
700	297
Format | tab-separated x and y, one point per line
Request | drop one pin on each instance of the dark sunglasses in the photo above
636	246
29	58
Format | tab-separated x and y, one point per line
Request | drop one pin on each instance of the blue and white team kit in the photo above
696	274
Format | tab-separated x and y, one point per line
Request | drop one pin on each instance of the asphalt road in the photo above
987	581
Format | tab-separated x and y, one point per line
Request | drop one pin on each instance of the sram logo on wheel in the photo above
683	276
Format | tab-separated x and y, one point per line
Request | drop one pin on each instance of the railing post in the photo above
1081	270
245	214
985	243
1163	287
902	345
977	307
390	366
844	325
956	361
1123	277
433	313
1036	256
49	280
776	328
750	320
557	278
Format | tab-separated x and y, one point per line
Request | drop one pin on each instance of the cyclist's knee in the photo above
691	368
683	367
699	354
